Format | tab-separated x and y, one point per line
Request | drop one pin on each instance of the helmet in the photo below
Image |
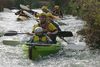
42	15
56	6
44	8
38	29
42	18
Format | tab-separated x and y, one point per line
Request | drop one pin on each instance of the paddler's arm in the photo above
28	33
34	27
55	32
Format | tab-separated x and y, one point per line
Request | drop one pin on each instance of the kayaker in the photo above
57	11
40	37
45	9
21	15
47	26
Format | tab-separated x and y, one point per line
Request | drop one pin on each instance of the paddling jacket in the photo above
48	27
40	39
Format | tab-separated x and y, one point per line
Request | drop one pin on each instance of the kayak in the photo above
21	18
40	50
11	41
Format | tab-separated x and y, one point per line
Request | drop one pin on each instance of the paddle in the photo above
24	7
31	14
60	34
12	33
28	11
65	34
65	40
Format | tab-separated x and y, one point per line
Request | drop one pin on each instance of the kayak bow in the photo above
40	50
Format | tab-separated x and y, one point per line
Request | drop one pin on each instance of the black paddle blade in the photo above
10	33
65	34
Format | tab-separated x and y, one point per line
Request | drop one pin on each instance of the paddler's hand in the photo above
45	30
49	33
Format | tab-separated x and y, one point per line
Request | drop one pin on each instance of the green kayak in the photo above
40	50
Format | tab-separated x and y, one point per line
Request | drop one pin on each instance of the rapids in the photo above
75	53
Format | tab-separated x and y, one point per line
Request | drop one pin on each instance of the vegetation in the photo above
6	3
15	3
88	10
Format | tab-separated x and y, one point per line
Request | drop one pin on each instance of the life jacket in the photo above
56	25
42	38
49	27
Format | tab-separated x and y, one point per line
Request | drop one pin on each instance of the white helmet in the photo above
38	29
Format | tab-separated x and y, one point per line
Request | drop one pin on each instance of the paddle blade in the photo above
10	42
10	33
65	34
24	7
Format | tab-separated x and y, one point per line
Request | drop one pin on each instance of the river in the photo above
75	53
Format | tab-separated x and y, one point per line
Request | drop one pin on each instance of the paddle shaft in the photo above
30	52
21	33
12	34
66	41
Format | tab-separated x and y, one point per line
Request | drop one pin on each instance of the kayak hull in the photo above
37	51
22	18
